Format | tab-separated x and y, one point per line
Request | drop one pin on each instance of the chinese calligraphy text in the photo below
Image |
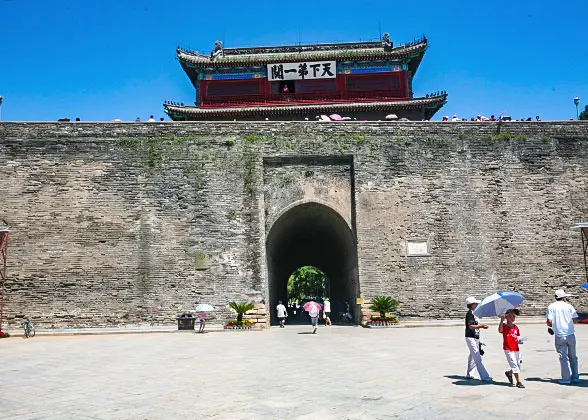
302	71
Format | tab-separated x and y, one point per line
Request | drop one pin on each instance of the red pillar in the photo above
404	84
341	85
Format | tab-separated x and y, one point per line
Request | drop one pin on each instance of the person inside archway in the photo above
282	313
314	309
346	313
327	311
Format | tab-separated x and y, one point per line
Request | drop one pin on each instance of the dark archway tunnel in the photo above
313	234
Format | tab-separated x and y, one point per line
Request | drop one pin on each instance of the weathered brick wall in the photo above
124	222
288	182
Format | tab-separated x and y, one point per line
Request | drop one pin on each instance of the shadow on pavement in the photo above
463	380
583	383
307	332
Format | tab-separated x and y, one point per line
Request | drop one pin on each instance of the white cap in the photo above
471	300
559	293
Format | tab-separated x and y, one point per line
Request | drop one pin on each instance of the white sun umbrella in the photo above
498	303
205	307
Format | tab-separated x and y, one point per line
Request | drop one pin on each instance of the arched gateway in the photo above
314	234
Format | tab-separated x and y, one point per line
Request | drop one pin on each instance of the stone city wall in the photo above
121	223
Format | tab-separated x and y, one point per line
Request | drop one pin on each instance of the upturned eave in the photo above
414	51
430	105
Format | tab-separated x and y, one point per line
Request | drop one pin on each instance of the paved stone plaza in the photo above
341	373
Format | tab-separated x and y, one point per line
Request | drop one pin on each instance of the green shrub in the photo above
241	308
383	304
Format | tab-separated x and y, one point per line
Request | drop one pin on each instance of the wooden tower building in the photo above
361	80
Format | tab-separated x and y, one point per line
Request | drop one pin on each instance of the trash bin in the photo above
185	322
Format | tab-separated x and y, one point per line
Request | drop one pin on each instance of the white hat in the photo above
471	300
559	293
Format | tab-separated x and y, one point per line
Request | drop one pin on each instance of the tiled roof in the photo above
266	55
203	113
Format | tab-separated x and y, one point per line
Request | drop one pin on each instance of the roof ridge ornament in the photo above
386	43
218	50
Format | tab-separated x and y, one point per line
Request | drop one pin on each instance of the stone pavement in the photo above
341	373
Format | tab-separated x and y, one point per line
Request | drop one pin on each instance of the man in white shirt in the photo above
561	317
282	313
327	311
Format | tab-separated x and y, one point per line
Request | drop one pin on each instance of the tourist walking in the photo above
282	313
313	308
202	321
561	317
327	311
510	344
472	338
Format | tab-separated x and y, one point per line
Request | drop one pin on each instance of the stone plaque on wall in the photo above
417	248
202	260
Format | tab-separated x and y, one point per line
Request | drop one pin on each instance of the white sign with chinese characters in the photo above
302	71
415	248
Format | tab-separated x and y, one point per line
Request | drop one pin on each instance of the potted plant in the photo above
234	325
383	304
241	308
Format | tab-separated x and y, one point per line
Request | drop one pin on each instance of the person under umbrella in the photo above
202	308
472	337
313	308
510	344
202	321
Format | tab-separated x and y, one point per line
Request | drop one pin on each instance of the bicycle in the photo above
29	329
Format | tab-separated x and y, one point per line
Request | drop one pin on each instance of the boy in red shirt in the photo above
510	334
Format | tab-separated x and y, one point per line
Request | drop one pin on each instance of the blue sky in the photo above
105	59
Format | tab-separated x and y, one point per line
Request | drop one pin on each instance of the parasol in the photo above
498	304
312	307
204	307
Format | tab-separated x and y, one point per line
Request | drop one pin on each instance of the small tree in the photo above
383	304
307	281
241	308
584	114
